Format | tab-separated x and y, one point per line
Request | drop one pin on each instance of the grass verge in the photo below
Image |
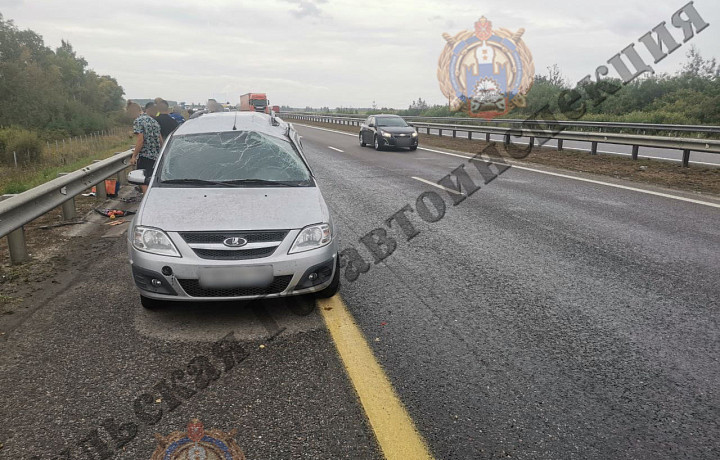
25	177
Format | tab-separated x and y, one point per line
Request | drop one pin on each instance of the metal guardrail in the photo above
685	144
18	210
511	122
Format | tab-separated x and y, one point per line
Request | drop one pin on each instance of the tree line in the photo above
52	91
689	96
47	95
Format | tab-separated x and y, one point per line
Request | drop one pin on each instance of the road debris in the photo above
62	224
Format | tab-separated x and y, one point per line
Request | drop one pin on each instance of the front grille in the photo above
193	289
219	237
219	254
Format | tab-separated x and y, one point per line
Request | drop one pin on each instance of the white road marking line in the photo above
525	143
325	129
437	185
592	181
624	187
337	150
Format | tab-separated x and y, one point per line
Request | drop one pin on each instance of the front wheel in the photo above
376	143
362	142
413	148
152	304
334	286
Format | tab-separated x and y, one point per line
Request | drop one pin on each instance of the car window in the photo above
233	156
390	121
371	120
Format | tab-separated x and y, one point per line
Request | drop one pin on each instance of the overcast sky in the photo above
332	52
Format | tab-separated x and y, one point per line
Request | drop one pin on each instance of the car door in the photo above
369	130
363	129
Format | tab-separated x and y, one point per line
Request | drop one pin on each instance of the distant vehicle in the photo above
257	102
382	131
213	227
276	108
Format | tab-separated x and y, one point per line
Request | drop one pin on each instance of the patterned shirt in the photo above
150	129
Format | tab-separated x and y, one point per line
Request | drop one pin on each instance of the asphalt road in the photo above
541	317
87	360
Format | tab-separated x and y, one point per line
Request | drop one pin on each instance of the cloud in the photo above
371	49
10	3
307	7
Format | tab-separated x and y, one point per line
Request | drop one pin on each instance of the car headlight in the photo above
154	241
386	134
312	237
414	134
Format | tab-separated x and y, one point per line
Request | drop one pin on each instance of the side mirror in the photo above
411	125
137	177
371	125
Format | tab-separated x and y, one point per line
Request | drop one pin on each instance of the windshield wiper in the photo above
198	182
269	183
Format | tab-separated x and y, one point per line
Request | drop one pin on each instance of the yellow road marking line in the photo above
394	429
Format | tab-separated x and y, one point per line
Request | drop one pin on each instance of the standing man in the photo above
167	123
148	140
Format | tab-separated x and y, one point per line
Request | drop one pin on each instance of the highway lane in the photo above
542	317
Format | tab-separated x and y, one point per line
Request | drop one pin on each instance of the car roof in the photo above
386	115
224	121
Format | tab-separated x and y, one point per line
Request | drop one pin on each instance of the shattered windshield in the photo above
237	157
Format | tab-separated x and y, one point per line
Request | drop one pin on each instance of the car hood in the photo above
208	209
398	129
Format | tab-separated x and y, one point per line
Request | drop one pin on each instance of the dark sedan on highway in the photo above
382	131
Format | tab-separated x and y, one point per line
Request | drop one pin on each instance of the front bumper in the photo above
398	141
177	278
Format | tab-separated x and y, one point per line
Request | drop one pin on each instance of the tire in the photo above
362	142
413	148
334	286
376	143
152	304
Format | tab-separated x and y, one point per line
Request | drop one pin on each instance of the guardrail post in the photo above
122	177
507	139
635	150
559	144
16	241
17	247
100	190
454	132
593	148
532	143
469	135
686	158
68	207
487	137
440	132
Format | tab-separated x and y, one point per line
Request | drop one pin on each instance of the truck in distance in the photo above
253	102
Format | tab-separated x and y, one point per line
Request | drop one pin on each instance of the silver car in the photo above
232	211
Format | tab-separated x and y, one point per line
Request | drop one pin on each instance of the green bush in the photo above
26	144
